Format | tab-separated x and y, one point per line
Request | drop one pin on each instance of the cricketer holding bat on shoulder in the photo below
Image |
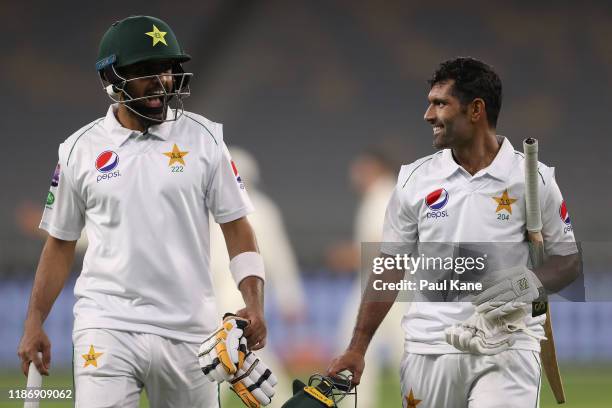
484	352
143	180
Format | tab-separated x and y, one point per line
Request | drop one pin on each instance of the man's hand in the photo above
34	340
351	360
222	354
518	287
256	331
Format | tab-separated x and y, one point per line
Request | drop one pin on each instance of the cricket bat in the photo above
34	382
534	235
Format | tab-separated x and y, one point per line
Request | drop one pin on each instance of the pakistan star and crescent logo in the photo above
158	36
412	402
176	155
504	202
91	358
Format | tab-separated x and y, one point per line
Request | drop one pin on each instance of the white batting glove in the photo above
519	287
477	335
480	335
222	354
254	382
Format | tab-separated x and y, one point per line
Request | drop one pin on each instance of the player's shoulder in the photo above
546	172
79	137
409	172
200	126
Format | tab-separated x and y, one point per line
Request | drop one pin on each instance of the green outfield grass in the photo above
586	387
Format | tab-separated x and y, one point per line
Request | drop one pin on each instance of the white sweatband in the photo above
247	264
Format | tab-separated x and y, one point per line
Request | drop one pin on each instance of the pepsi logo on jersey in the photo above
436	201
565	217
106	162
238	178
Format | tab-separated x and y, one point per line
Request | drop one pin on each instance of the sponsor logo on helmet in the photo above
107	161
56	175
437	199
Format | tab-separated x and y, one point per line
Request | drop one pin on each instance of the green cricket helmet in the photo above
136	41
322	392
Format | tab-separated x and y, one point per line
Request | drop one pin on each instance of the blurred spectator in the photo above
373	176
282	273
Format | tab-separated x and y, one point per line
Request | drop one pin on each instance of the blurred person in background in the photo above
143	180
282	272
372	176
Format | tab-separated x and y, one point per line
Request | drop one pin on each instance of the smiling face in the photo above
157	78
450	120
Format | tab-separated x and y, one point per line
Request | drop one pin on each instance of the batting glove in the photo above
254	382
480	335
519	288
223	353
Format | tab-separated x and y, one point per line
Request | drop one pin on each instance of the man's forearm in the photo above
53	270
252	290
371	314
559	271
239	237
373	308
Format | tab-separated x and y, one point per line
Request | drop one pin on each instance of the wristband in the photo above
247	264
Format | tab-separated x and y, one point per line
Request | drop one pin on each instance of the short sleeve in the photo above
64	214
400	228
226	196
557	230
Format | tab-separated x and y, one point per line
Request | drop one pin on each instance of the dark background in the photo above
307	85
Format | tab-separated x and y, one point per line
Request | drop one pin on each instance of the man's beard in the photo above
148	115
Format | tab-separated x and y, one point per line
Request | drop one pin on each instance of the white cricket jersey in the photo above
144	200
436	200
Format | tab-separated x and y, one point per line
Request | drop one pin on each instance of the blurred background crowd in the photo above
325	100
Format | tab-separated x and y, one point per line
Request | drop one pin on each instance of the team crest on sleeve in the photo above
237	175
56	176
106	164
436	201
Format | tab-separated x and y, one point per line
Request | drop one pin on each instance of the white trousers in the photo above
510	379
111	368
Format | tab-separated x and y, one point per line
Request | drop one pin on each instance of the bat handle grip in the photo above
34	382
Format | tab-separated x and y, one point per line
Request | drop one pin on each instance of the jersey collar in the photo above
119	134
499	168
504	160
